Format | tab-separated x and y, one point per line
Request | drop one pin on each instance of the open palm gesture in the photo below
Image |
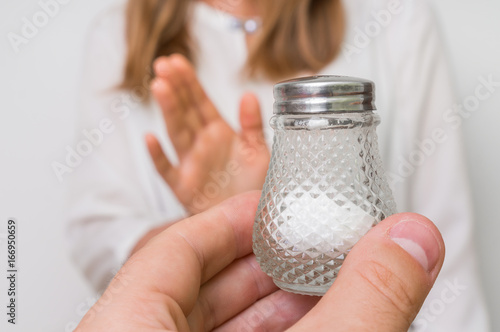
215	162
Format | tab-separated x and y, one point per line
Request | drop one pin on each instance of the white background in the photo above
37	105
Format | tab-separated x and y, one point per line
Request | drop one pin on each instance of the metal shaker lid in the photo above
324	94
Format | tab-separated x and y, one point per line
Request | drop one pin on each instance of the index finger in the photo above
189	253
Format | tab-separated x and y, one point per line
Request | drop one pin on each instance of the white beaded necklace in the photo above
249	26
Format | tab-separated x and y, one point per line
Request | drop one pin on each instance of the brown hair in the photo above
296	35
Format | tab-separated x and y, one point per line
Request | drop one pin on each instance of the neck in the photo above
237	8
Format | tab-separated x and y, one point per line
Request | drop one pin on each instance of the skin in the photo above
203	141
212	280
205	144
238	8
242	9
200	275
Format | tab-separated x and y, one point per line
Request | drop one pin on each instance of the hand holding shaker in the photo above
325	187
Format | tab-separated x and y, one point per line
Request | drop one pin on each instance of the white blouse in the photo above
115	195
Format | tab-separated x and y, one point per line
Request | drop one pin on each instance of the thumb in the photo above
251	119
384	279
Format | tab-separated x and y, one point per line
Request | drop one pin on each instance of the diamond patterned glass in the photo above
325	188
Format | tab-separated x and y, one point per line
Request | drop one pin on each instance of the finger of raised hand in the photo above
180	131
161	162
196	96
251	119
169	68
252	143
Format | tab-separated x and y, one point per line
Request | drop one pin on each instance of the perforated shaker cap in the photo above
324	94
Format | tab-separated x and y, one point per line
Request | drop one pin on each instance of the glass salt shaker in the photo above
325	187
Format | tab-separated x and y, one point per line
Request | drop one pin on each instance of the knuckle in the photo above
207	313
257	320
389	287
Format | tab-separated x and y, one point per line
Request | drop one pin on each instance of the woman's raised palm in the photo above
215	162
